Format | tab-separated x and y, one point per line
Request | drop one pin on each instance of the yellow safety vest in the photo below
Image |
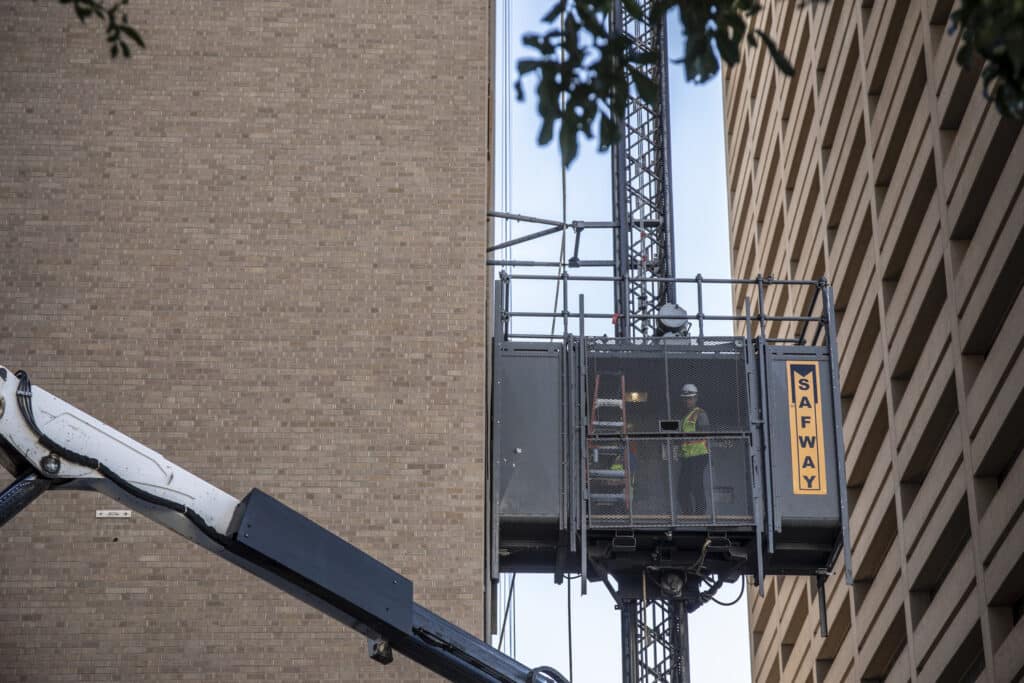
694	448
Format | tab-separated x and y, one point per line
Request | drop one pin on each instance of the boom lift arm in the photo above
47	443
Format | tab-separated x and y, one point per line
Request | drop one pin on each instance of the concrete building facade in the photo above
881	166
258	248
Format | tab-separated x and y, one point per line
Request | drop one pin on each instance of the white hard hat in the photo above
689	390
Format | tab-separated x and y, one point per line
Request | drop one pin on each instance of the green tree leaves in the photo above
586	72
995	30
582	74
119	32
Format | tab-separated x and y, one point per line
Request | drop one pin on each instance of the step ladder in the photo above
608	467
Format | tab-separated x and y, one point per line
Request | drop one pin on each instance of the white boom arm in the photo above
47	443
115	453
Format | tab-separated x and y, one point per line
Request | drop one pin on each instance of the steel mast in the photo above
641	188
655	630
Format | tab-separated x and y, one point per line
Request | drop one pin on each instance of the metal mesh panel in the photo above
656	459
649	379
720	379
659	487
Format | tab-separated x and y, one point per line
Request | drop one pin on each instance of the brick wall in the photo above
880	166
256	247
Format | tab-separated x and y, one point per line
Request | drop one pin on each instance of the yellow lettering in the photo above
805	424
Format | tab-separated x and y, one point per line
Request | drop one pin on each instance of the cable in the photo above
733	602
507	123
512	639
552	674
561	254
568	607
696	567
505	616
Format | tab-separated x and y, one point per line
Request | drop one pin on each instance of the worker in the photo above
693	455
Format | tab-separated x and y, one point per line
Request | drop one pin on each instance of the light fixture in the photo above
672	319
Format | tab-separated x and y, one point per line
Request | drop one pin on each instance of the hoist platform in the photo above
613	457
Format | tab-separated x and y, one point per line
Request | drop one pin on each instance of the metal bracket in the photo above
822	606
380	650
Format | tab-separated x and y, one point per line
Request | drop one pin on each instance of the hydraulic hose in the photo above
19	494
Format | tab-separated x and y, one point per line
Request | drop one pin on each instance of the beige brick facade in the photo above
881	166
257	247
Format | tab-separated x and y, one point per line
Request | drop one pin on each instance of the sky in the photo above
528	182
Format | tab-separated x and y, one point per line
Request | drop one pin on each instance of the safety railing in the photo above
752	319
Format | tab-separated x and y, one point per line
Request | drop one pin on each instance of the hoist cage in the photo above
605	463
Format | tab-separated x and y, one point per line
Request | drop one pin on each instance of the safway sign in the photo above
805	428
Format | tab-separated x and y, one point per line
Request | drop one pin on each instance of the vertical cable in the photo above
568	595
561	255
506	123
513	641
508	617
501	600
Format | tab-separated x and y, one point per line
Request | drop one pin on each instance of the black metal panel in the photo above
528	431
332	568
803	452
805	467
